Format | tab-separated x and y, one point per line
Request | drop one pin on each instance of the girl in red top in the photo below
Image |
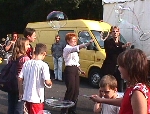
133	66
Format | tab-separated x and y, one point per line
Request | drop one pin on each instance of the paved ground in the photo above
85	106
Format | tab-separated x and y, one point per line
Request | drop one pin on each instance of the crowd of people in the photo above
121	64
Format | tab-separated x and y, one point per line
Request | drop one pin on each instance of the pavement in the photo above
84	106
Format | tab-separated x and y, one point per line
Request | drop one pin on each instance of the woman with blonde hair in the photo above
113	47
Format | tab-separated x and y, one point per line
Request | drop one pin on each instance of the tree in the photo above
11	16
16	14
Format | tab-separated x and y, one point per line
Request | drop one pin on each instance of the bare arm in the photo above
97	108
7	47
20	87
139	103
115	102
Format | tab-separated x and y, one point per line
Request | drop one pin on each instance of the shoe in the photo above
55	79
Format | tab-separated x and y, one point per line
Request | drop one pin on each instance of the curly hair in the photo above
19	48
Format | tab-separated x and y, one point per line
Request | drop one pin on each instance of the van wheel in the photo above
94	77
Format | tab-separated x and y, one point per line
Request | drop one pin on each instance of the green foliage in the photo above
11	16
15	14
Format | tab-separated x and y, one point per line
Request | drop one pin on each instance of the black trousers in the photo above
71	77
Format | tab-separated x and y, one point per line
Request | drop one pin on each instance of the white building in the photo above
133	18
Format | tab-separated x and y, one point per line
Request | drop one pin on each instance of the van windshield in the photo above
100	36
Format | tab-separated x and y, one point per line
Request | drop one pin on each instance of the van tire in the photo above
94	77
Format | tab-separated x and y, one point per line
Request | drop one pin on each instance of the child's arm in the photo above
97	108
115	102
46	75
20	87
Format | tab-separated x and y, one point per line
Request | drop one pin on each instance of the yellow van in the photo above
92	57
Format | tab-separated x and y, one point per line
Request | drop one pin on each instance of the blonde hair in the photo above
108	80
19	48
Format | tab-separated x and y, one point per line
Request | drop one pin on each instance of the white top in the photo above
110	109
70	55
34	73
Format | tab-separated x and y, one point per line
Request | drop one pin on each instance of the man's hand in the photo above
128	44
82	72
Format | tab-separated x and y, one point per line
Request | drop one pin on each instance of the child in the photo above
133	66
108	89
33	76
20	48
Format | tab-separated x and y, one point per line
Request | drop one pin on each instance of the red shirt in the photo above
21	62
126	107
29	52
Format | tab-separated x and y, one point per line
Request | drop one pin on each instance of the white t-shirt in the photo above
34	73
70	55
111	109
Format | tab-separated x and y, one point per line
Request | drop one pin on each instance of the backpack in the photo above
9	76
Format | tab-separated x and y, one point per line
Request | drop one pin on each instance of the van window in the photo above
84	37
62	34
100	36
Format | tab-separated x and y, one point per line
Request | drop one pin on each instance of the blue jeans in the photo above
58	68
14	106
